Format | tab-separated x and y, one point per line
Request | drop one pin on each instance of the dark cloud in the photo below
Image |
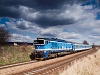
22	27
36	4
9	12
48	35
11	8
48	22
71	37
39	4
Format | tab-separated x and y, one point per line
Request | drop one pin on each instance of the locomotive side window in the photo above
46	42
38	41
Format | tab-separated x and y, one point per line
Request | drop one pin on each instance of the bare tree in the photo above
85	42
4	36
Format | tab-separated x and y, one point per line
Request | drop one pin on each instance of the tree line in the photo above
4	36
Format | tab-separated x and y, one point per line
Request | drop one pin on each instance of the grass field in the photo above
14	54
89	65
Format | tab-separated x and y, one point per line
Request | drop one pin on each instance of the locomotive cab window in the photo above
38	41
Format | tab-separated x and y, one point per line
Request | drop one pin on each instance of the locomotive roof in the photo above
55	39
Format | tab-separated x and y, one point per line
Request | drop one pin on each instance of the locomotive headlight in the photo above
44	51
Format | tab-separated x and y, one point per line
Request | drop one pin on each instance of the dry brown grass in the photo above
89	65
14	54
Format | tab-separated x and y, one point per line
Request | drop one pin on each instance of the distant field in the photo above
14	54
89	65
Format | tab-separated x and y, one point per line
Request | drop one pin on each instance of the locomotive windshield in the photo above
38	41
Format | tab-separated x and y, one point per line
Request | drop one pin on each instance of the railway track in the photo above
9	69
48	67
17	64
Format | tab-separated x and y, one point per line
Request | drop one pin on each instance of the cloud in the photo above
12	12
50	32
2	25
50	18
20	38
69	35
37	11
94	39
66	16
38	4
46	18
47	22
23	25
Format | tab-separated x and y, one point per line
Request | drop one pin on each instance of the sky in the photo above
71	20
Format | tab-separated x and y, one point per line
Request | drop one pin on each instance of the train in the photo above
46	48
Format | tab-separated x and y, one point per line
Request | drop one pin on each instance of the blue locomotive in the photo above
52	47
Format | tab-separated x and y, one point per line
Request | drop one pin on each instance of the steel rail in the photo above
17	64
